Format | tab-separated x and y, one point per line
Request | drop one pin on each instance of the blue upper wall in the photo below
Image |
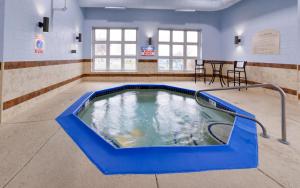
21	28
148	22
250	16
299	34
1	28
218	28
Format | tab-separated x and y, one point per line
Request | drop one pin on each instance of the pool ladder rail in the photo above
264	134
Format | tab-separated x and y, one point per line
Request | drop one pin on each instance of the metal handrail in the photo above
264	134
217	123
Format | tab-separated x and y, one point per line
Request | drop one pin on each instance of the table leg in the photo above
213	74
221	74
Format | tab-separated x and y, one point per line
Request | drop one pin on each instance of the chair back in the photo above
240	64
199	62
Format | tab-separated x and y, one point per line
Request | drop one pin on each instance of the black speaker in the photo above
79	37
44	24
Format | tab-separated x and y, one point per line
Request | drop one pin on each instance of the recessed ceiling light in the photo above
185	10
111	7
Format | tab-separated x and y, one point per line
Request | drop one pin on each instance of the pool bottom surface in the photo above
241	151
146	118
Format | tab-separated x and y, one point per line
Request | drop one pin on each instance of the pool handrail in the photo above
265	85
217	123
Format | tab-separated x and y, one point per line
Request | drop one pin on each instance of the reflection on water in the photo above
138	118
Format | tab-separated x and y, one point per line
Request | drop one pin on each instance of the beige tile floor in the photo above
36	152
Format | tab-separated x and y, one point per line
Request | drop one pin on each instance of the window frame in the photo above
171	43
108	56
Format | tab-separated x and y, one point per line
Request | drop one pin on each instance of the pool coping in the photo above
240	152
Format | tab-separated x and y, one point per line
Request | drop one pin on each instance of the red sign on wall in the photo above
148	51
39	45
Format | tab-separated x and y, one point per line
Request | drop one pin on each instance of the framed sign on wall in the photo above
266	42
148	51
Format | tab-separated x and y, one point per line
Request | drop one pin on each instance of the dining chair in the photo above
235	76
199	66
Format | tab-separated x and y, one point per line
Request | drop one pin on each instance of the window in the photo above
114	49
178	49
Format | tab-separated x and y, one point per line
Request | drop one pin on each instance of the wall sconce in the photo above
149	41
44	24
237	40
79	37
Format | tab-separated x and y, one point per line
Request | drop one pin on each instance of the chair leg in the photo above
204	72
227	78
239	81
195	75
246	81
234	78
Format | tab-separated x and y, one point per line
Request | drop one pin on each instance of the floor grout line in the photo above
270	177
32	157
156	179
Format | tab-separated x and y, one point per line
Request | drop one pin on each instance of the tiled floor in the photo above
36	152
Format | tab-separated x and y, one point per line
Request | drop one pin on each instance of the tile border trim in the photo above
139	60
263	64
286	90
147	60
140	75
29	64
24	98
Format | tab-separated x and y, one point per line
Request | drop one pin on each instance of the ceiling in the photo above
199	5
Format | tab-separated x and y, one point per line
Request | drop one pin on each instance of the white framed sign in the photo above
266	42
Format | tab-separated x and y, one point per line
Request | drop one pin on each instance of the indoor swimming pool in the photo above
143	117
147	129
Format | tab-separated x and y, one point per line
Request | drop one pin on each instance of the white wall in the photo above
248	17
21	18
148	22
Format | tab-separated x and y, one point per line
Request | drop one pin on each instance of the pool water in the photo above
147	118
